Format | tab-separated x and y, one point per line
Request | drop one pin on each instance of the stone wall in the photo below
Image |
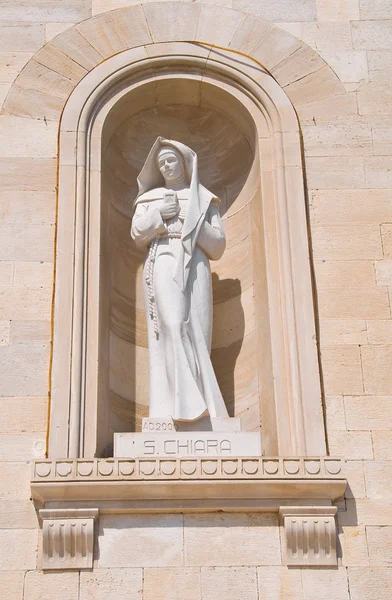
348	174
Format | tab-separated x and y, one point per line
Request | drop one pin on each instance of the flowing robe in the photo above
182	380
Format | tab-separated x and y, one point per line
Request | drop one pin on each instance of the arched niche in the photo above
267	361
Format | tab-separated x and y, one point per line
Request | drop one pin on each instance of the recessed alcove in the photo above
221	131
245	131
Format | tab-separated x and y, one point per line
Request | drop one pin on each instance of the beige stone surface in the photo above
321	583
327	37
334	413
354	546
6	272
100	6
372	34
356	479
378	172
18	514
48	10
25	302
338	207
28	242
15	477
275	583
377	376
34	274
382	444
370	583
52	57
379	545
41	585
342	370
337	10
348	242
169	19
381	9
371	512
282	11
25	208
24	138
11	585
374	98
43	79
22	446
23	371
4	333
270	46
104	583
349	303
19	549
386	237
156	541
343	137
334	332
103	34
217	23
380	65
231	540
21	37
30	332
349	65
354	445
53	29
19	415
383	272
378	477
232	583
11	63
22	174
315	86
171	584
4	89
335	173
297	65
368	412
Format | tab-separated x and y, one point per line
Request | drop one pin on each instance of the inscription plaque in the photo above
132	445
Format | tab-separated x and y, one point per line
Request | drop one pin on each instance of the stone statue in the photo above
177	220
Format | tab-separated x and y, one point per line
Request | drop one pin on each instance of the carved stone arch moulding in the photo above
81	76
182	35
295	393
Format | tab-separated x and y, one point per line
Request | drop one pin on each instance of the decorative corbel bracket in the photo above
67	538
301	490
309	535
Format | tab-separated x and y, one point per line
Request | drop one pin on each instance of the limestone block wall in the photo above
349	182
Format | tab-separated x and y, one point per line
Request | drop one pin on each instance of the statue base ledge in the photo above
70	494
193	483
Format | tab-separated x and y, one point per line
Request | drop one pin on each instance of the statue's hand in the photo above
169	209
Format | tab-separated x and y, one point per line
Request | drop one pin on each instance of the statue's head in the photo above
171	164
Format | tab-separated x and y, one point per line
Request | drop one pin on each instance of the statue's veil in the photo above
199	200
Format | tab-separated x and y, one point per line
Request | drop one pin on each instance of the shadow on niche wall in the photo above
229	319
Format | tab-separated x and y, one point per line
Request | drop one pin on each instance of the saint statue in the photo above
177	221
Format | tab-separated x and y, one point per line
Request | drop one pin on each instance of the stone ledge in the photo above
165	485
301	490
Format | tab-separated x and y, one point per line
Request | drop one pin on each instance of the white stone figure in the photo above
177	220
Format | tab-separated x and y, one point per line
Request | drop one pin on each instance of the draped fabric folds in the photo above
177	279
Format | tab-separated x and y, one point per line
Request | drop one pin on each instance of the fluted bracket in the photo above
309	535
67	538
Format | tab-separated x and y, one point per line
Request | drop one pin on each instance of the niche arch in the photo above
286	362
